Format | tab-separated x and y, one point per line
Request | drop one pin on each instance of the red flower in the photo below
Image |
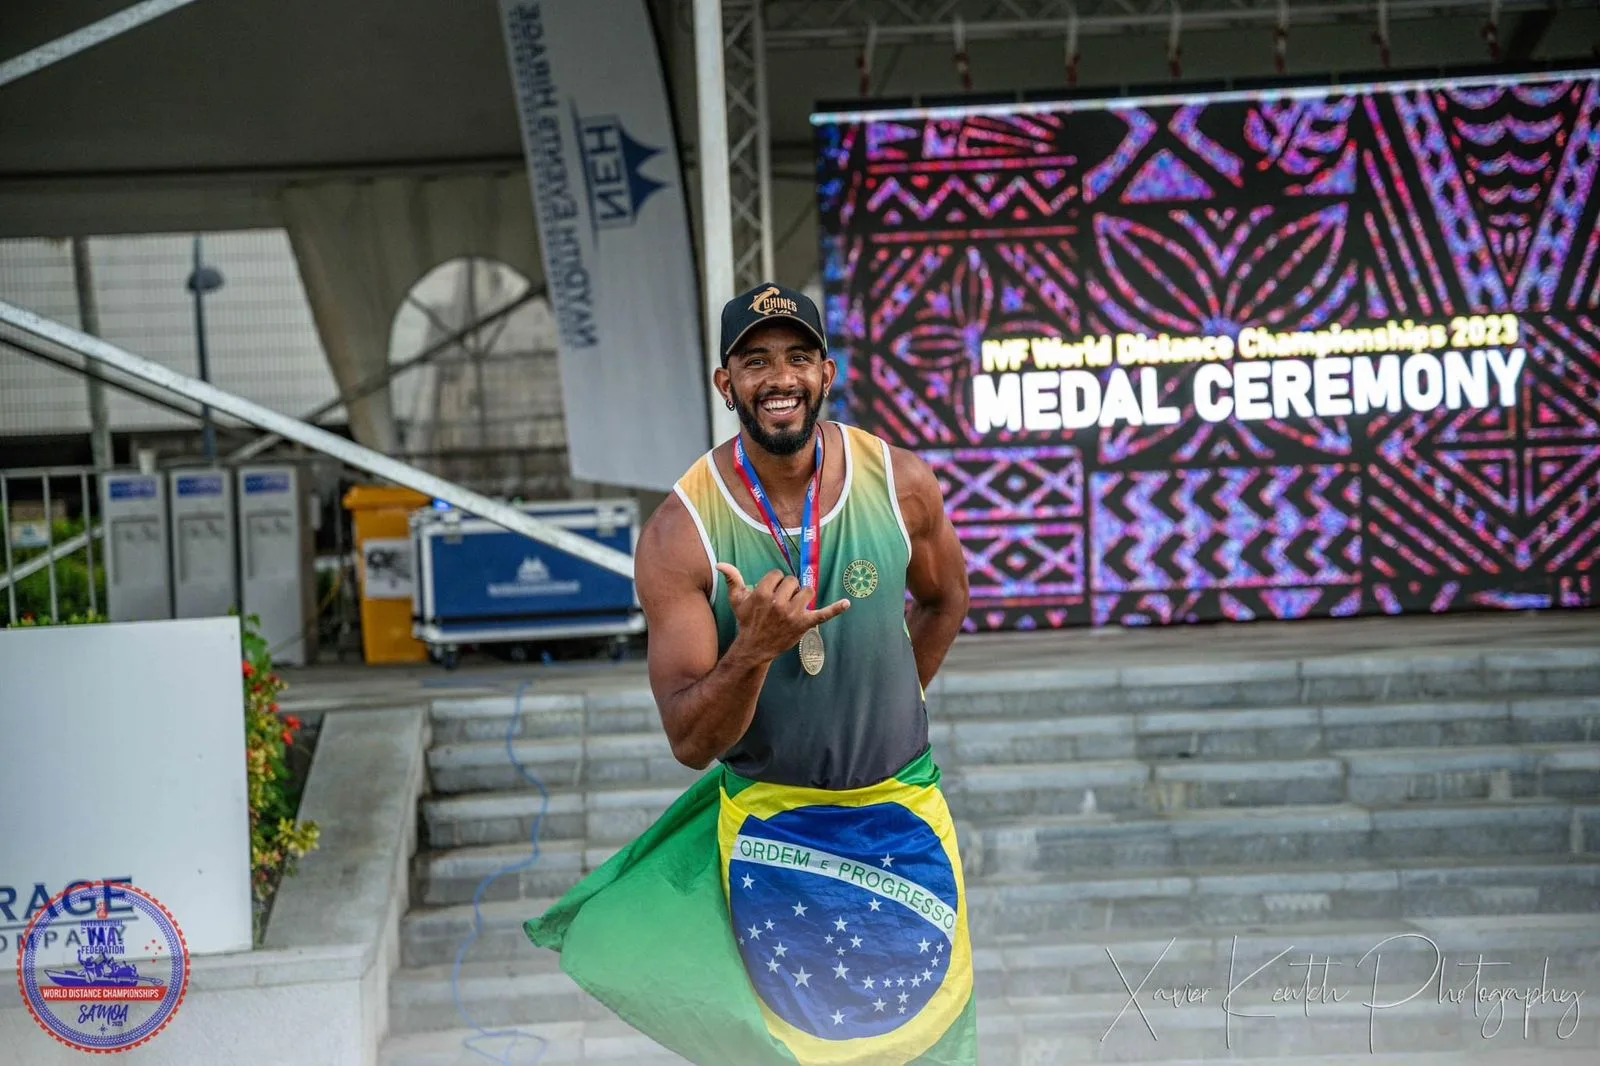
274	708
292	722
288	737
249	671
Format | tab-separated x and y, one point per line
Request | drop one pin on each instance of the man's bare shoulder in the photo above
670	554
916	487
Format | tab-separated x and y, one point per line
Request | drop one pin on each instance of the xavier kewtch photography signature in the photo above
1495	994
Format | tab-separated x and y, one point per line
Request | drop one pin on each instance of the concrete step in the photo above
1276	985
1125	841
614	1044
640	756
616	812
595	710
532	987
1200	898
565	708
1400	775
601	759
599	815
1400	674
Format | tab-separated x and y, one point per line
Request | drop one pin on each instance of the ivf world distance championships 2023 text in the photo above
1055	384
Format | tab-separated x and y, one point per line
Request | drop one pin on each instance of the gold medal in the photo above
811	651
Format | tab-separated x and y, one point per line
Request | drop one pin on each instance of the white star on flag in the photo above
772	965
924	946
927	975
769	923
828	939
840	969
780	950
839	924
838	1017
840	951
875	905
902	1010
802	978
749	882
799	910
915	981
878	1004
904	995
940	947
855	941
755	932
867	983
888	860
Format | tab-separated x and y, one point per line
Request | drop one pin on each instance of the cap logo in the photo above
770	302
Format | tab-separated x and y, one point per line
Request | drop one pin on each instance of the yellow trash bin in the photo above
381	515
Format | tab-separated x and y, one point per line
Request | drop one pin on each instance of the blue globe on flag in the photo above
849	942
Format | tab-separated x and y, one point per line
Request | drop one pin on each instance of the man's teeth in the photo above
781	405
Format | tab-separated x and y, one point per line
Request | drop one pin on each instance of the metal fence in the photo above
52	545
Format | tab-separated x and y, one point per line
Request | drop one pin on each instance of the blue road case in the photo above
480	584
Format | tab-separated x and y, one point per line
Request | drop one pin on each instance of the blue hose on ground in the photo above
471	1043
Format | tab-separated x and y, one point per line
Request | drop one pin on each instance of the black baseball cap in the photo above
763	305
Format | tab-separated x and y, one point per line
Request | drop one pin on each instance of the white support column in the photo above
716	212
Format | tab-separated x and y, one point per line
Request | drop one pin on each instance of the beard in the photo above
785	442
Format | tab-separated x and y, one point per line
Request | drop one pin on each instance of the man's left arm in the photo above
937	576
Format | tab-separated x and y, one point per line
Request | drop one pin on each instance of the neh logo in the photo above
103	984
613	165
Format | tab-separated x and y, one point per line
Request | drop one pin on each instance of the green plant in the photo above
277	840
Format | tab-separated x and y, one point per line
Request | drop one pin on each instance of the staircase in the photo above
1117	821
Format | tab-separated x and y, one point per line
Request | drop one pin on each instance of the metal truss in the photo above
848	23
749	142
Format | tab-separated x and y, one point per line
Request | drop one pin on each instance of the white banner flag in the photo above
614	226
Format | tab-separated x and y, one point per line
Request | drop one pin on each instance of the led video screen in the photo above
1269	355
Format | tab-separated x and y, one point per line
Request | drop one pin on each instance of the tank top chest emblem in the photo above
860	579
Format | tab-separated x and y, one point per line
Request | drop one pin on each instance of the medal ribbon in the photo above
810	525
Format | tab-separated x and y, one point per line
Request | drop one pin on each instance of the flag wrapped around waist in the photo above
757	923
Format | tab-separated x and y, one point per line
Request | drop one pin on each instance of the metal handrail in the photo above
348	452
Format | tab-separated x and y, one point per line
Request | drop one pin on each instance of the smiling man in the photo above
804	901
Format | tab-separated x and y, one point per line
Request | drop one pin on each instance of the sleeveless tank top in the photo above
864	716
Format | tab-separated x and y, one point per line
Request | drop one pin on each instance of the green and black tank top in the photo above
864	716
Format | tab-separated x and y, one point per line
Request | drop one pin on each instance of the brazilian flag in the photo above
759	924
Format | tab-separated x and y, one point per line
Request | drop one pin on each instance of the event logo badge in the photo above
613	163
105	983
860	579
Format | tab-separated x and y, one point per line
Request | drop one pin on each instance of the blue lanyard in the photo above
810	530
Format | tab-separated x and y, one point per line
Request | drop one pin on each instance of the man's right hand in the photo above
773	615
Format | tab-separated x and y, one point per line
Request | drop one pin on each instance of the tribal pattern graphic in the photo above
1414	202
